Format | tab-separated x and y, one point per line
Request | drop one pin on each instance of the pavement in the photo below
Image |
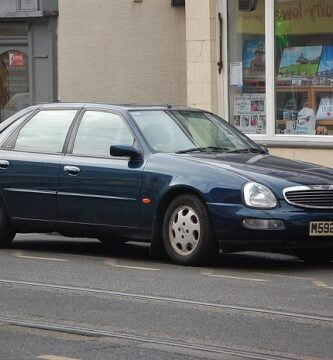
67	298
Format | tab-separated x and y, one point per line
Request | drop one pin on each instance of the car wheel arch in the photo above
157	246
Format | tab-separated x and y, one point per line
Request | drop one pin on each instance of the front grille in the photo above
319	197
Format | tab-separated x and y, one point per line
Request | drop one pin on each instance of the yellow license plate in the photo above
321	228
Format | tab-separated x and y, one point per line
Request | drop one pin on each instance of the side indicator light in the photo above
146	201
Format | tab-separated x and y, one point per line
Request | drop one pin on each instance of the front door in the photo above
95	188
14	79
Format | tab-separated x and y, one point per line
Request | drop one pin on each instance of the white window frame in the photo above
223	91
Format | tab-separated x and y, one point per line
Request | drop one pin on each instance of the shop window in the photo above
14	82
246	39
304	67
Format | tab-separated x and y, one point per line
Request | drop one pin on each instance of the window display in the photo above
254	59
299	65
249	113
302	53
14	69
304	67
247	70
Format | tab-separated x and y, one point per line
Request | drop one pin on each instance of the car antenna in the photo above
169	106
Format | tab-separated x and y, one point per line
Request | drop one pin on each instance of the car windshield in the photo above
190	131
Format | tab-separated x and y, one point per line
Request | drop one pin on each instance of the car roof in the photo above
117	107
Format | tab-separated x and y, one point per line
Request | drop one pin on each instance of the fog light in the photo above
263	224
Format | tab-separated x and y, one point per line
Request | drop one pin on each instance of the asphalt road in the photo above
64	298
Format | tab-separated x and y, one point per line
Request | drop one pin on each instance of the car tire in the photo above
188	235
6	232
315	255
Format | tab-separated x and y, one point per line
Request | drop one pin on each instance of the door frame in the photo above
223	77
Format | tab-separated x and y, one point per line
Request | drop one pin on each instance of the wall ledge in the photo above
27	14
296	145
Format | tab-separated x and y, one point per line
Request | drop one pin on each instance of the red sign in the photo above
16	59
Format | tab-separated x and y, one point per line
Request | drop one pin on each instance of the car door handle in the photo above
71	170
4	164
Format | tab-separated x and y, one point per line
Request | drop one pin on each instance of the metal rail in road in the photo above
170	300
84	331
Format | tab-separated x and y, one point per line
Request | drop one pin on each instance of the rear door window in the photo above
45	132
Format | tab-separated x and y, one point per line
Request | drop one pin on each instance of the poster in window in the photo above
306	122
299	64
325	109
254	59
250	113
326	63
236	75
16	59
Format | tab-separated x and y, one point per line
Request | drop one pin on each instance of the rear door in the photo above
96	188
29	165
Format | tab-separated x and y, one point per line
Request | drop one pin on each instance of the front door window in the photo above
99	130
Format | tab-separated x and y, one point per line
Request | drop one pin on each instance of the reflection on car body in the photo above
181	178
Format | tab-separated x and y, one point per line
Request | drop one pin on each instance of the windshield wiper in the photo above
247	150
204	149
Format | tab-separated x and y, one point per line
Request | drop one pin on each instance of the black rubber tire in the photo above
315	256
206	250
6	232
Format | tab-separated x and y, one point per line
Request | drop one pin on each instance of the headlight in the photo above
258	196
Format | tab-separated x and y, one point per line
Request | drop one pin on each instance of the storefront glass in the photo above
304	67
14	69
246	53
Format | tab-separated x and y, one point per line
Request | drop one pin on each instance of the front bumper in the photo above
234	236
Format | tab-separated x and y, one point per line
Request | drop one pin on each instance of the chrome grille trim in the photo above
310	196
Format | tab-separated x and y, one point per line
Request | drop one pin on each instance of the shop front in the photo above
276	83
27	54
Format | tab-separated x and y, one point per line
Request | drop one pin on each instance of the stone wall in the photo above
201	54
122	51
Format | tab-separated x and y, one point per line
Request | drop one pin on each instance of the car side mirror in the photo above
125	151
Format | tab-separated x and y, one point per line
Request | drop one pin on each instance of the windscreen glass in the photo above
182	131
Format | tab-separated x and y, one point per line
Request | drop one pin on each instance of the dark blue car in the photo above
181	178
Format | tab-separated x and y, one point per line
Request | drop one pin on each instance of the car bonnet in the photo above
273	171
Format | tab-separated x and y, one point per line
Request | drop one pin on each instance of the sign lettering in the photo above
16	59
